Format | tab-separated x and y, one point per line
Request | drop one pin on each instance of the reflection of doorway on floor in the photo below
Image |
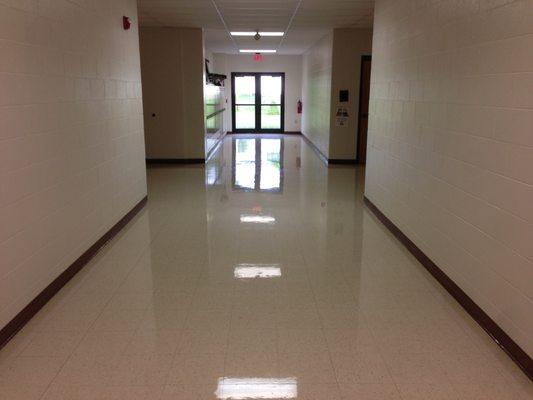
364	98
258	164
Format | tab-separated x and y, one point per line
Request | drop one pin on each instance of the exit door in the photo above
258	102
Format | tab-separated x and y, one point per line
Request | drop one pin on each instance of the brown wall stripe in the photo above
517	354
42	298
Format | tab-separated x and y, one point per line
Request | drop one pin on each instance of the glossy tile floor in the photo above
260	276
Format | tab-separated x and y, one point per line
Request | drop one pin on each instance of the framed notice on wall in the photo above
342	117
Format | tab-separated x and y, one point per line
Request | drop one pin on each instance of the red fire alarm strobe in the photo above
126	23
258	57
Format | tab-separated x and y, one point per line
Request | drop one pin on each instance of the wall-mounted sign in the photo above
344	96
341	117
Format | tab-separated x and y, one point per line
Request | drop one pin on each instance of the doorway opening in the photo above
364	99
258	102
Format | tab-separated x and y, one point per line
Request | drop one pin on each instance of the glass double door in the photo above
258	102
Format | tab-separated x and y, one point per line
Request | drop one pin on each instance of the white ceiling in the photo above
304	21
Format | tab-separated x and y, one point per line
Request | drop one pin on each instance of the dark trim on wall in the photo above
364	58
266	133
513	350
325	160
341	161
319	153
215	113
152	161
23	317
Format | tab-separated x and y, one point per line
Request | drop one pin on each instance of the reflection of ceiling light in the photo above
251	271
254	33
258	219
258	51
257	388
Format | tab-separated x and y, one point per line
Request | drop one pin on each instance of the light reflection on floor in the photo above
162	313
257	388
252	271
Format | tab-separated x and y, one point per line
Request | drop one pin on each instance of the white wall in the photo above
173	83
290	65
450	157
71	136
316	93
349	45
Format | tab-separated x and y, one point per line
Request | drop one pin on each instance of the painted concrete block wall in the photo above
316	93
291	65
450	156
349	45
71	136
172	63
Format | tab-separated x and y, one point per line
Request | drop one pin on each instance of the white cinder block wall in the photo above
317	66
450	157
71	136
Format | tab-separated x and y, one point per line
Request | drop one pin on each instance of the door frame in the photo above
257	76
364	58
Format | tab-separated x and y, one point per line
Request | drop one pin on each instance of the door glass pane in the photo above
245	117
245	163
270	117
245	90
270	89
270	164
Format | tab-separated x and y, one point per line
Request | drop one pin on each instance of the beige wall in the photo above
348	47
290	65
172	77
450	157
331	65
71	136
316	93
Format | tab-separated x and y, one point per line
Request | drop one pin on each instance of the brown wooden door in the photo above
364	97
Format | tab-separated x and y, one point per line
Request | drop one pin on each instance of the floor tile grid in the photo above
131	226
447	387
338	385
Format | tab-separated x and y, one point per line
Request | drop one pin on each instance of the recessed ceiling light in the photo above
258	51
255	33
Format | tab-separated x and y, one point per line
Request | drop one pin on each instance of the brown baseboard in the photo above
513	350
325	160
155	161
22	318
319	153
341	161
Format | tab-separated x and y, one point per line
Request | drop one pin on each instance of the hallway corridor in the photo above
258	276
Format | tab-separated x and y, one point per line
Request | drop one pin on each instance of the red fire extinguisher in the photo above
299	107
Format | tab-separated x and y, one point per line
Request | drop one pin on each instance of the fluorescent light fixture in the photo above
252	271
257	388
257	219
247	33
258	51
